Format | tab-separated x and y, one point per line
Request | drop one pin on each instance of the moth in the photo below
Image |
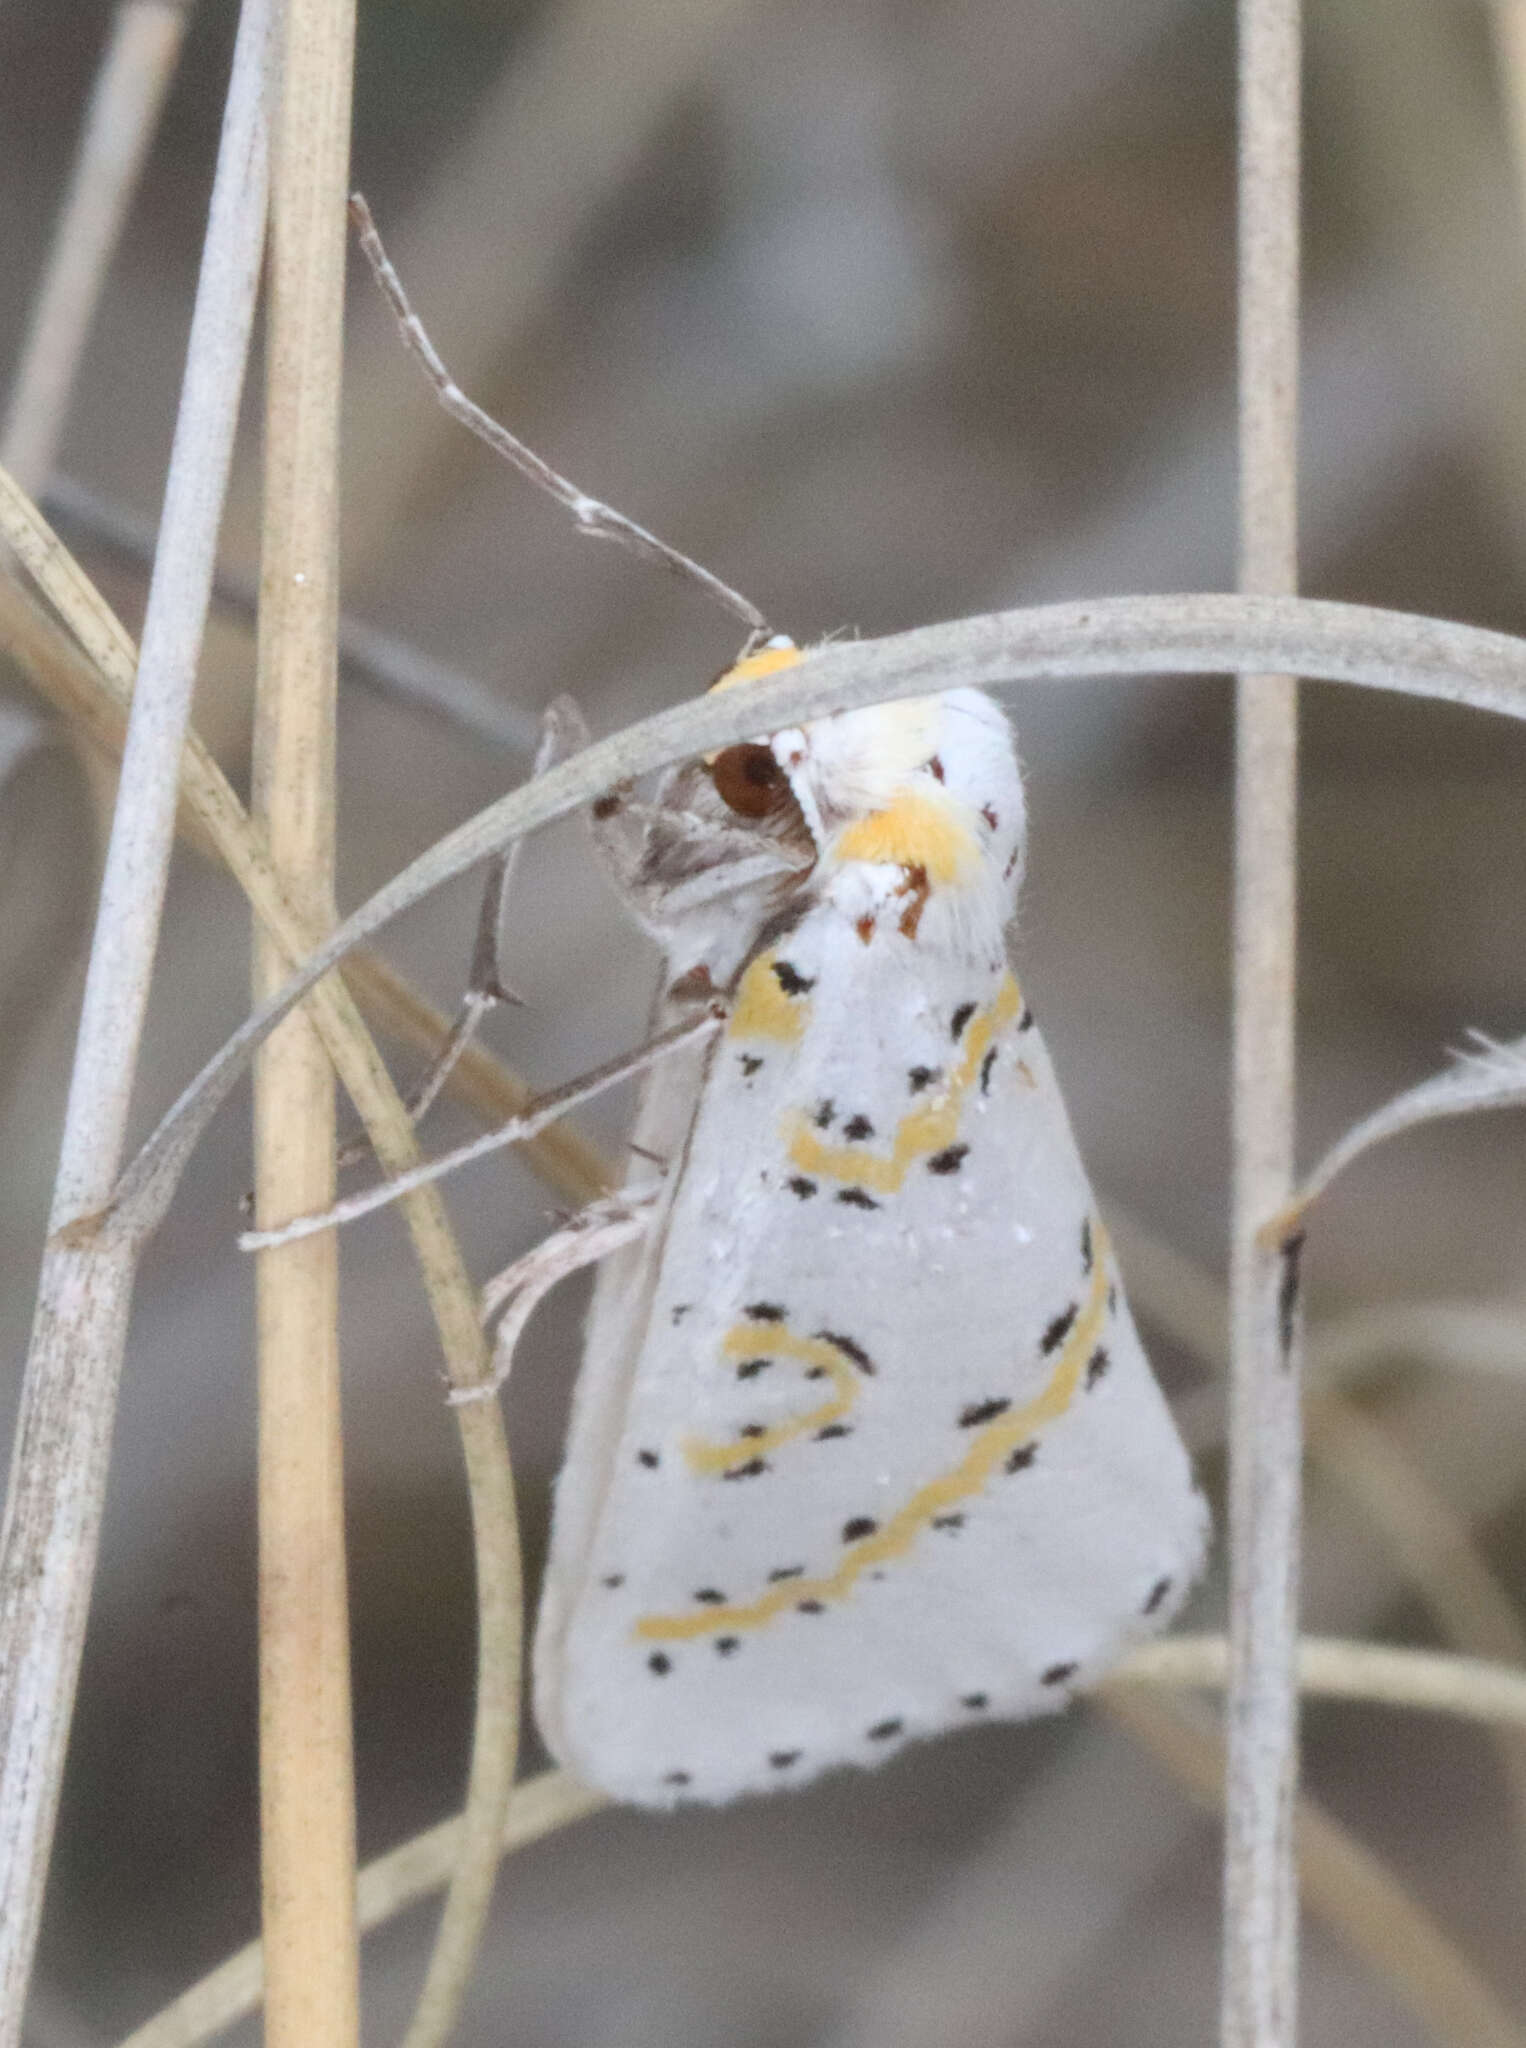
865	1446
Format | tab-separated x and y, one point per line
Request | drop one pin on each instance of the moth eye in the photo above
749	780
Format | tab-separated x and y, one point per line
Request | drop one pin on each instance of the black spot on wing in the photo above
960	1019
781	1759
791	980
831	1430
1025	1021
885	1731
1157	1596
1020	1459
949	1160
650	1459
977	1702
858	1528
752	1429
810	1607
712	1596
727	1646
1096	1366
948	1521
983	1411
749	1368
848	1348
677	1778
1059	1329
985	1070
764	1312
799	1185
825	1111
856	1198
614	1580
753	1469
751	1062
680	1311
918	1078
857	1128
786	1571
659	1663
989	814
1086	1244
1058	1673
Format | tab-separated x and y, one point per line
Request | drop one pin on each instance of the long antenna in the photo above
591	517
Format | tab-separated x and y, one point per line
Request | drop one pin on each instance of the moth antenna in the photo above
590	516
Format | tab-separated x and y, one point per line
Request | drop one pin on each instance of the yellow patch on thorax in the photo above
763	1010
911	832
766	662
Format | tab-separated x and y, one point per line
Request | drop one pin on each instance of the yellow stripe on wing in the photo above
921	1132
747	1340
990	1448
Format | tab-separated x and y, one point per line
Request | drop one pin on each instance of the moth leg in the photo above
562	732
679	850
514	1294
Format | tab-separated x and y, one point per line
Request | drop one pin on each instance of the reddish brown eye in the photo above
749	780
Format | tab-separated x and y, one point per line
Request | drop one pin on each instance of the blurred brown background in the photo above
890	312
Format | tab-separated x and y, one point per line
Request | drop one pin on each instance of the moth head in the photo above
927	783
749	777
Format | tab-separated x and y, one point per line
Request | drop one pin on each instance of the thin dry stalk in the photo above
1334	1668
61	1449
94	695
98	697
1048	643
380	661
387	1886
1260	1986
1438	1982
307	1777
1344	1883
120	123
1486	1076
569	1164
540	1113
1205	634
1431	1544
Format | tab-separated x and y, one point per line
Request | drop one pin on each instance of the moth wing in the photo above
877	1451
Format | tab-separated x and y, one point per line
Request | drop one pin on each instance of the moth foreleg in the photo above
679	850
562	732
514	1294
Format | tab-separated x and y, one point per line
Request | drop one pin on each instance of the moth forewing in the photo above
865	1445
703	890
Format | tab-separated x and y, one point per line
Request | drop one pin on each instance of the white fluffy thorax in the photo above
923	794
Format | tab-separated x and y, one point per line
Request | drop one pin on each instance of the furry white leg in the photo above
514	1294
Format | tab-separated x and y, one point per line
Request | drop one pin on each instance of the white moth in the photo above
865	1446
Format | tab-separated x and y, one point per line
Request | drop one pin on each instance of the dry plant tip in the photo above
1285	1230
